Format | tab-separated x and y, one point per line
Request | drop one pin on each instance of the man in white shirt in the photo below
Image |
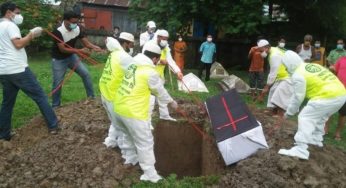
147	35
15	74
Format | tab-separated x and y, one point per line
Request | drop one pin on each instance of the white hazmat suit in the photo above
137	144
315	83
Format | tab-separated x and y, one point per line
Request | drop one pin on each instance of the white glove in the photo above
36	32
173	105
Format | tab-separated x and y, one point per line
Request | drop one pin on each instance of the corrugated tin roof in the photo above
120	3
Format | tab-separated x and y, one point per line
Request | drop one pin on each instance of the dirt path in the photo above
76	157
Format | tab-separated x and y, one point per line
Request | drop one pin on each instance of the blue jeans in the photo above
59	68
27	82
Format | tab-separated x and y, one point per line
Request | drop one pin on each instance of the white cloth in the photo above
12	60
281	94
242	146
68	35
114	132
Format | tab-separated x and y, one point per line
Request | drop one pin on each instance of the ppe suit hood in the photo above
291	61
142	59
112	44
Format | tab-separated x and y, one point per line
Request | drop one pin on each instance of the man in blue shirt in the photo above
207	49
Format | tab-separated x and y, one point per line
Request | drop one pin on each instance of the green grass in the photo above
187	182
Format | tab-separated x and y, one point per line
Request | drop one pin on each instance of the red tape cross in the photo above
229	114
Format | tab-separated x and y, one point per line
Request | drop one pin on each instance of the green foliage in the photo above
37	13
187	182
239	17
317	17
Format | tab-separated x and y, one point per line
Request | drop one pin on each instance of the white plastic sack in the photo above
193	83
233	81
217	71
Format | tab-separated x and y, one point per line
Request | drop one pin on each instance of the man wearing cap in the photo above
113	72
278	80
161	39
325	94
131	106
64	57
148	34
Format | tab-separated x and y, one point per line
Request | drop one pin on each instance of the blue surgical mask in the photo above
73	26
340	46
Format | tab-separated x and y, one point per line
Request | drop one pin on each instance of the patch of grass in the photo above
172	182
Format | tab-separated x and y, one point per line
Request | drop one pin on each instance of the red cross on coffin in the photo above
238	134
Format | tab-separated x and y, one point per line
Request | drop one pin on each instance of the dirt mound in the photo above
76	156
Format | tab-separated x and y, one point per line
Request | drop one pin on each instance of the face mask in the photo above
264	54
151	30
73	26
281	44
163	43
180	39
18	19
209	39
317	45
340	46
130	51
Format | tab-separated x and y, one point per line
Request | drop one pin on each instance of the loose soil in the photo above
76	156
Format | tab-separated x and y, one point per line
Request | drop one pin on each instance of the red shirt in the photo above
257	60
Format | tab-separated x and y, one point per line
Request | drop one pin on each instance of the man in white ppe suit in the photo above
161	39
326	95
278	81
148	34
113	72
131	106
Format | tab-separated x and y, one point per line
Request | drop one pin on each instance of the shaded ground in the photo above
77	158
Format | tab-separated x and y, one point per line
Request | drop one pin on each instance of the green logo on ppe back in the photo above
312	68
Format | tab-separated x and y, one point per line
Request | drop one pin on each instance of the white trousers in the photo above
312	118
113	132
137	140
279	94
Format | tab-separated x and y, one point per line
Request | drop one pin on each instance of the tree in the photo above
323	19
236	17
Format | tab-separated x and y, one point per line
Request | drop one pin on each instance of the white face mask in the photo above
18	19
281	44
317	45
163	43
131	51
264	54
209	39
180	39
